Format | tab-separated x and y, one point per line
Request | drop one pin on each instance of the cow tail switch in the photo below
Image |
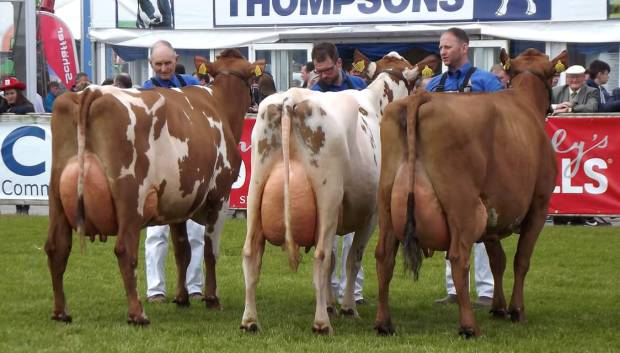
292	248
411	246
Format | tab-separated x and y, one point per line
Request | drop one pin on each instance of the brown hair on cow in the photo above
231	53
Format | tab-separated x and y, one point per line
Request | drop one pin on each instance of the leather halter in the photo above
236	74
397	74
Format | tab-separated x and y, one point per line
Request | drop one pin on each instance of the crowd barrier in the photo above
587	146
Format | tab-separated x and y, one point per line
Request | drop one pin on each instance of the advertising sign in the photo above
59	49
239	190
145	14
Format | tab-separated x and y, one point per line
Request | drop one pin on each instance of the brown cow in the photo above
125	159
482	168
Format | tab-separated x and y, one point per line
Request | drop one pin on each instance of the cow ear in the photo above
203	66
362	64
257	68
504	59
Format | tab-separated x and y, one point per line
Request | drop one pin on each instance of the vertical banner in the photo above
588	180
58	48
239	190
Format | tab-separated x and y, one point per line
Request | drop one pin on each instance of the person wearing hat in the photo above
15	101
575	96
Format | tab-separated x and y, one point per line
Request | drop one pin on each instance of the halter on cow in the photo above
125	159
464	168
315	168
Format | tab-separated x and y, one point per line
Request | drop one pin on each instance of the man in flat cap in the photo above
575	96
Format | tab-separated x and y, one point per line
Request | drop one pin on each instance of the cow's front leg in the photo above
321	279
354	264
58	248
126	250
183	255
459	260
497	261
213	234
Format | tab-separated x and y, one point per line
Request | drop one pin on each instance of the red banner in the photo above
239	190
588	181
59	49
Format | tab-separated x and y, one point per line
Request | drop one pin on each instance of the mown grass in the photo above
572	299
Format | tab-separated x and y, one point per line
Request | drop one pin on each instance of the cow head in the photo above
535	62
230	61
392	61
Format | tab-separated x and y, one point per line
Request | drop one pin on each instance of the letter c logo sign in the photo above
9	158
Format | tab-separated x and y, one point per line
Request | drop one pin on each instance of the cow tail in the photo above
411	246
291	247
87	97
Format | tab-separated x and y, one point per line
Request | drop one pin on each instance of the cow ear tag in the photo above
202	69
258	71
507	65
559	67
359	66
427	72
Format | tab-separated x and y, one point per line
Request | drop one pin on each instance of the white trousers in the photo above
339	280
482	274
156	251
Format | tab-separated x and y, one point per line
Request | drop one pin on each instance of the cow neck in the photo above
378	88
398	75
535	87
231	84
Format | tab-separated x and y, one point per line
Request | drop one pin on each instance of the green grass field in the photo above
572	300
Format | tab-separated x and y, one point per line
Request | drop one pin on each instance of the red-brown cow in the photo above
463	168
124	159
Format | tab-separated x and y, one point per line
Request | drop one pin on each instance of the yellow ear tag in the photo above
202	69
559	67
427	72
359	66
507	65
258	71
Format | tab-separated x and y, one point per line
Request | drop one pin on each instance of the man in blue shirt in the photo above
332	78
54	90
163	60
328	65
463	77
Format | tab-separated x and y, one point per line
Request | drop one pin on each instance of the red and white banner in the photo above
588	181
59	49
239	190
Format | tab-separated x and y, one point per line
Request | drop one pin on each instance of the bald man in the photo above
163	60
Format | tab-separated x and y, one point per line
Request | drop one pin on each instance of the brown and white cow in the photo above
329	145
464	168
124	159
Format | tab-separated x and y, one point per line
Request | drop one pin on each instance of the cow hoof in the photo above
212	303
139	320
181	303
251	328
349	313
62	317
517	315
332	312
467	332
322	330
499	314
385	329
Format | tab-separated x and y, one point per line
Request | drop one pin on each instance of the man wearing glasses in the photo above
332	78
328	65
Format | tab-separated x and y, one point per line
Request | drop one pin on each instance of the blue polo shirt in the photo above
174	82
481	81
348	82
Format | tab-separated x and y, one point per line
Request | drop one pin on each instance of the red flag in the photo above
58	48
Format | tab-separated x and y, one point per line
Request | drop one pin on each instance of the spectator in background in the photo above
306	71
53	90
179	69
203	79
575	96
107	82
81	80
123	80
500	73
599	75
16	102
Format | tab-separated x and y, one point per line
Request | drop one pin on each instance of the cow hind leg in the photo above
385	255
530	230
497	261
183	255
58	248
253	250
212	250
321	279
126	250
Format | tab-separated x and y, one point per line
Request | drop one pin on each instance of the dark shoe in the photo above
361	302
449	299
157	298
483	302
196	296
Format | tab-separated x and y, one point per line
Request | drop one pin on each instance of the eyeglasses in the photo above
324	71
